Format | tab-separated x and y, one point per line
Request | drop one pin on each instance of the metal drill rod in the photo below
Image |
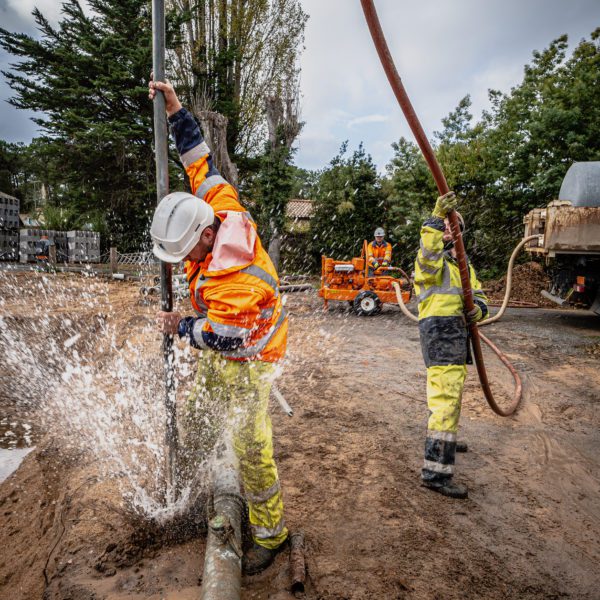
166	285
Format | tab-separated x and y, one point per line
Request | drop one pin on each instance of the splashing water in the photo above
92	390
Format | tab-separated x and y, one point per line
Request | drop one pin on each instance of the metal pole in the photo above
162	189
222	576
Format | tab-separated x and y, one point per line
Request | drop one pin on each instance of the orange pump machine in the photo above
350	281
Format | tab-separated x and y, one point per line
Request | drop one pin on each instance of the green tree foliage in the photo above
515	158
275	183
229	55
349	203
408	189
11	169
86	79
304	183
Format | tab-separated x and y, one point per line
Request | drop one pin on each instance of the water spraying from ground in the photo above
91	390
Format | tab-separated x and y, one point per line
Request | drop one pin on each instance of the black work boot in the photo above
462	447
258	558
448	488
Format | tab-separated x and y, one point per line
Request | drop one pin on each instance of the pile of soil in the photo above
528	281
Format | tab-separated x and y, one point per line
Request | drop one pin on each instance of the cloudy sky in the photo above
443	49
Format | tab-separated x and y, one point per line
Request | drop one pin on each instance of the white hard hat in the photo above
178	223
379	232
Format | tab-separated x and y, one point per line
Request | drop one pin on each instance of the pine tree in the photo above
87	80
349	205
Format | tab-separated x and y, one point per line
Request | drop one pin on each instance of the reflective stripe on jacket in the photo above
379	252
240	301
245	304
442	324
437	278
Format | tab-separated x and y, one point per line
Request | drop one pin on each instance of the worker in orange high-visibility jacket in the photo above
379	252
240	326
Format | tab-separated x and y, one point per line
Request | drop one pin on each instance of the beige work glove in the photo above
474	315
445	204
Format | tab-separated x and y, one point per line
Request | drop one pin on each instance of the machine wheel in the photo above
367	304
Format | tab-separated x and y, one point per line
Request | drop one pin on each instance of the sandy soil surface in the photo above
349	462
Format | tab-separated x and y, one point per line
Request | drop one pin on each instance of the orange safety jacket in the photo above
377	253
236	288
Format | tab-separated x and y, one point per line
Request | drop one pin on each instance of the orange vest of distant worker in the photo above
242	300
376	253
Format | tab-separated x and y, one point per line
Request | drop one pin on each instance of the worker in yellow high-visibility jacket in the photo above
240	326
443	331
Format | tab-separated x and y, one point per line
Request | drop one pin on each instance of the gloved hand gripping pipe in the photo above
415	126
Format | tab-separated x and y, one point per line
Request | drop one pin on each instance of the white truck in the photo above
569	238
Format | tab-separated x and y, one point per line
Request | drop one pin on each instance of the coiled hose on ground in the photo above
436	171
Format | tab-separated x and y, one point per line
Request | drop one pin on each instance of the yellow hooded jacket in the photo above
438	289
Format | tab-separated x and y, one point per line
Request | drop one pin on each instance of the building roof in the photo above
299	209
30	221
4	196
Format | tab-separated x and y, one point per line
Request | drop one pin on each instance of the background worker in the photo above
379	252
42	250
240	326
443	331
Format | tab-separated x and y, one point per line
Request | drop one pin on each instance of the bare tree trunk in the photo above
275	246
214	126
284	126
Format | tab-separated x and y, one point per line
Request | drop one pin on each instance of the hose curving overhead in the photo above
436	171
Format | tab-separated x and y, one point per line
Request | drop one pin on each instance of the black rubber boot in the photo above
462	447
258	558
448	488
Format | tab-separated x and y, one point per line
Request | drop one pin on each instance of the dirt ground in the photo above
349	462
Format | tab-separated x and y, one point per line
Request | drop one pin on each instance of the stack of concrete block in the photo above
84	246
9	227
9	212
30	241
9	245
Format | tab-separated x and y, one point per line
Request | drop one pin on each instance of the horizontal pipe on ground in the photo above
297	562
296	287
222	578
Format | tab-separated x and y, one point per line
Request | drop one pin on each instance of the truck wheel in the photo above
367	304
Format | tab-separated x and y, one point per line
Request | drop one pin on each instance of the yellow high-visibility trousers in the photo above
234	395
444	395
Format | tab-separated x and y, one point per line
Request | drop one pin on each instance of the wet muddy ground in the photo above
349	462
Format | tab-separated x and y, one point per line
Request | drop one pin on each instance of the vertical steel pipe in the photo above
297	562
166	285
